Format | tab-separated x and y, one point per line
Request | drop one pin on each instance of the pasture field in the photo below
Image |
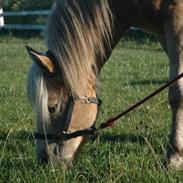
132	151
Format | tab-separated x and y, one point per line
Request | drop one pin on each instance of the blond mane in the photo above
38	93
77	31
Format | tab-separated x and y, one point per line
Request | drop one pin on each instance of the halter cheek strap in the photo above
63	135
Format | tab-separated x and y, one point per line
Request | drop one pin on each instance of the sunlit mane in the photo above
38	93
76	33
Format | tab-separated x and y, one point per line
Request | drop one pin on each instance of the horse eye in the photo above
52	109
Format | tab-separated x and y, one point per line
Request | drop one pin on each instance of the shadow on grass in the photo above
19	135
25	136
146	82
119	138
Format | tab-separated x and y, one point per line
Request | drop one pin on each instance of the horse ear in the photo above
42	60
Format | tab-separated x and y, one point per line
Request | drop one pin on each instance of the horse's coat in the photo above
81	35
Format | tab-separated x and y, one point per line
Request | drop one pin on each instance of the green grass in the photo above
132	151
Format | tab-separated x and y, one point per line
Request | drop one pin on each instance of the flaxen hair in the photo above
77	31
38	94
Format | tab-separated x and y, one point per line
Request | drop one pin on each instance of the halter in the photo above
92	130
63	135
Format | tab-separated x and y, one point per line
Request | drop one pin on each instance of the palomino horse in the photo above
81	35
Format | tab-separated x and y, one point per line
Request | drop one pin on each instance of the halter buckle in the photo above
85	99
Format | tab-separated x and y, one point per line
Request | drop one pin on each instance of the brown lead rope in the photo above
111	121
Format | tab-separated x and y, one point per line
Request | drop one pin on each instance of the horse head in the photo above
57	111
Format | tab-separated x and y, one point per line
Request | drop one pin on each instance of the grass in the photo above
132	151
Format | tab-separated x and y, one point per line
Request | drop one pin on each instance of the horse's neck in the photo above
122	22
146	14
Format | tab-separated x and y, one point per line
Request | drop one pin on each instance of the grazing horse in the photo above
81	35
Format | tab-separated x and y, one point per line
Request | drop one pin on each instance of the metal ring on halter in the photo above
90	100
